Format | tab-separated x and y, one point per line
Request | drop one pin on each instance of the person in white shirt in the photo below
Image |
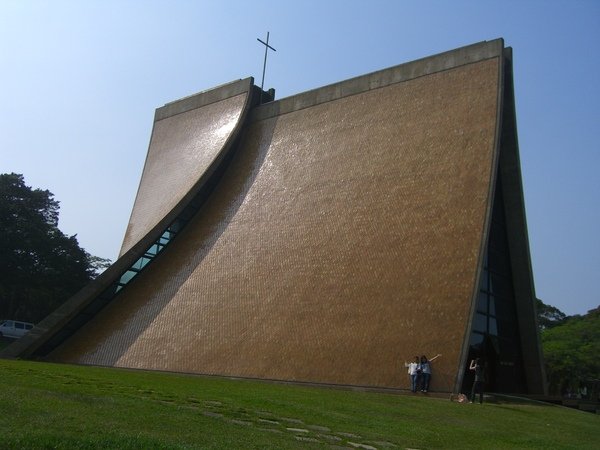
414	370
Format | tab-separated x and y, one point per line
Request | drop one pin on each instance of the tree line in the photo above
571	345
40	266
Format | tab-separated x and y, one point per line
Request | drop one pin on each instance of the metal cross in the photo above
267	47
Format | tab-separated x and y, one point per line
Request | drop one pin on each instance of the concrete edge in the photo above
204	98
485	232
518	243
381	78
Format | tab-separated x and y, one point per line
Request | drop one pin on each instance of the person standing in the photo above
426	371
414	370
477	366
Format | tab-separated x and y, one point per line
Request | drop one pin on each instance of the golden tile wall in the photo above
342	241
181	149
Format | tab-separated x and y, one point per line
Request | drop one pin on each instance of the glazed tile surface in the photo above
339	240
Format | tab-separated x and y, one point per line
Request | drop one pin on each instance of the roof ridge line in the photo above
381	78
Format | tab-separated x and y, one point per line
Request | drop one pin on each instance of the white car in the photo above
14	329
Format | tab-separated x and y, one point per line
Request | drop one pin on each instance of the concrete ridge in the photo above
203	98
381	78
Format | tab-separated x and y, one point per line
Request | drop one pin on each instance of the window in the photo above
493	326
476	340
480	323
484	285
482	303
495	331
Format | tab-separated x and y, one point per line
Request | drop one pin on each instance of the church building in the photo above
326	237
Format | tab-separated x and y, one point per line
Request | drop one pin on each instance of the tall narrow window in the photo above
495	331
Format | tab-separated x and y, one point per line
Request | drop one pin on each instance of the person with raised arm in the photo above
477	366
426	371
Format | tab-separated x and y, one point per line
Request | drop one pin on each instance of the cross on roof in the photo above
267	47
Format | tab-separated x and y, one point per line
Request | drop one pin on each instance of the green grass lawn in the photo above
63	406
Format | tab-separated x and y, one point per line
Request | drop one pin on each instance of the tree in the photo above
548	316
571	352
40	267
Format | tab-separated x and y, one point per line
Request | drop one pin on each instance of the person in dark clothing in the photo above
477	366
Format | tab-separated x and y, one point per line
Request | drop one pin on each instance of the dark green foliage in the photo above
548	316
571	352
40	267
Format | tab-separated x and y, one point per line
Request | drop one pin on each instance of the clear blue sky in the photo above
80	81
